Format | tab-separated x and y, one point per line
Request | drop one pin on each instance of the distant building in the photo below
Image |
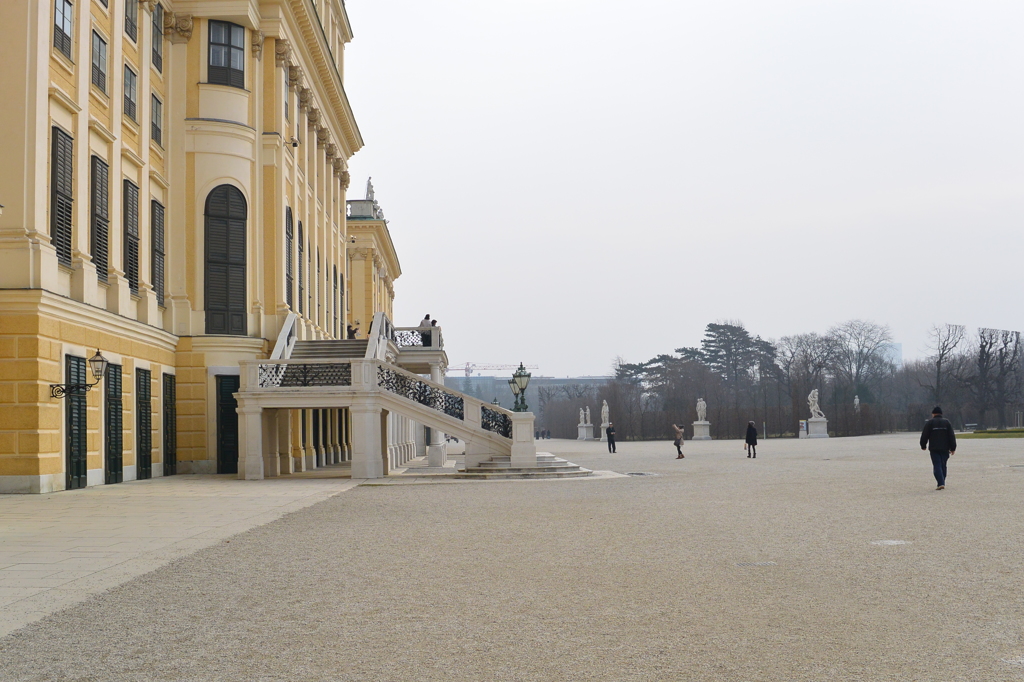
893	352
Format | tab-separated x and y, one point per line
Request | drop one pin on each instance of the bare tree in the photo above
575	391
860	350
943	342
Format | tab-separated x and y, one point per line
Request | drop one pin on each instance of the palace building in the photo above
174	185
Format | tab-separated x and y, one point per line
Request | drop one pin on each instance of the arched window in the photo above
289	259
225	261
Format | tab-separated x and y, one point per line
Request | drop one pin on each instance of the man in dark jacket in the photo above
940	442
610	433
751	440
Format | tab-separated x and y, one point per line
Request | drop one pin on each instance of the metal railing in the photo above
411	387
495	421
296	374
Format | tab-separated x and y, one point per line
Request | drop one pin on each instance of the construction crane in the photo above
471	366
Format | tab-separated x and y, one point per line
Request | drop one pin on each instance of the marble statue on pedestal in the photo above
817	425
812	402
702	427
605	421
585	429
856	403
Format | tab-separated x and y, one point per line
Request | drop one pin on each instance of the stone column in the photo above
366	441
271	460
250	442
284	442
437	451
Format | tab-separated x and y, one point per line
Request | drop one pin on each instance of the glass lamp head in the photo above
98	365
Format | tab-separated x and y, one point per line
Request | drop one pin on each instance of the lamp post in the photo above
520	380
97	363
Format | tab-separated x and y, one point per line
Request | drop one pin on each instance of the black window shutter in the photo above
302	260
158	37
289	258
157	227
61	194
225	261
170	426
131	235
100	217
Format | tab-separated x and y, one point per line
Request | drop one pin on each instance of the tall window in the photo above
99	61
131	92
131	19
302	260
62	166
319	290
62	26
100	197
131	235
156	223
158	37
227	54
335	306
225	261
144	423
157	127
287	96
289	258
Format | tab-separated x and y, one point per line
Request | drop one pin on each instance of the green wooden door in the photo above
113	425
75	425
227	424
144	422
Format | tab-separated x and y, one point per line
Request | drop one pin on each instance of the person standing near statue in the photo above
940	442
751	440
610	434
678	442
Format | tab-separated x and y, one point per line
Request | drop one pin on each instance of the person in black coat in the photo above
940	442
751	441
610	434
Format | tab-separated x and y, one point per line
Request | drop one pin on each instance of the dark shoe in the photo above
680	457
941	487
748	456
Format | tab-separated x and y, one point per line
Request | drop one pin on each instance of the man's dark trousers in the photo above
611	443
939	460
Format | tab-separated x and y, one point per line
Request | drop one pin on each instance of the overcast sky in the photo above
568	181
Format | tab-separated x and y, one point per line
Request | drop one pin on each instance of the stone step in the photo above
325	350
519	474
509	469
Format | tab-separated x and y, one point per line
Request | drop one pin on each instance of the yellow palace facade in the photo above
173	183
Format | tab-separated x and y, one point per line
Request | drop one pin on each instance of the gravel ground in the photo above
719	568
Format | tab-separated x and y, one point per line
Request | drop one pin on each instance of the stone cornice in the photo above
328	76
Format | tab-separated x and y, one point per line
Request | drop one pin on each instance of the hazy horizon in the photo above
569	182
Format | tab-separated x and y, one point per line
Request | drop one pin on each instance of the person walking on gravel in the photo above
678	442
751	441
610	435
940	442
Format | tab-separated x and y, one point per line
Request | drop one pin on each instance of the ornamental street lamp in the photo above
520	380
97	363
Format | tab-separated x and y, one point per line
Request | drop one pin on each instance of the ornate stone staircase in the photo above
500	466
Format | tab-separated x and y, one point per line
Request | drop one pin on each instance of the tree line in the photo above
976	377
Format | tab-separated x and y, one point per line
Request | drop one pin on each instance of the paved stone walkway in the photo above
60	549
820	560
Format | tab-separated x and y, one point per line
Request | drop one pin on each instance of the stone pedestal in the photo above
604	432
701	430
817	428
437	455
586	432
